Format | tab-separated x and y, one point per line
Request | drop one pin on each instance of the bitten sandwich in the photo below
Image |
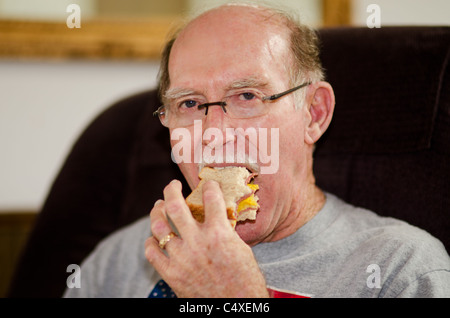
238	191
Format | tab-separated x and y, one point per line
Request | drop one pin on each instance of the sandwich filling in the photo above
238	190
247	206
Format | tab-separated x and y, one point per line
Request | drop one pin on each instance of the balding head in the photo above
250	21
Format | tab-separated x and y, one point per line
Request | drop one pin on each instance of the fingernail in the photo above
211	182
210	185
158	202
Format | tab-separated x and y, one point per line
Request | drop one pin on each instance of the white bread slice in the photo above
233	183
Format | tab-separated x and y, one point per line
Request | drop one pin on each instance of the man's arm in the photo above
435	284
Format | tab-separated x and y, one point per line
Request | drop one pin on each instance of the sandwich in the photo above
238	191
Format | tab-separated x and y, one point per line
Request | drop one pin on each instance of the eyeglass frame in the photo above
161	109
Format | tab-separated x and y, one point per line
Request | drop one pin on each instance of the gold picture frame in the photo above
111	39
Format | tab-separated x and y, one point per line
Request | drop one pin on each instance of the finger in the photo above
177	209
214	203
155	255
159	223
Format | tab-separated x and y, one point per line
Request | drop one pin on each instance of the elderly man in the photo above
241	66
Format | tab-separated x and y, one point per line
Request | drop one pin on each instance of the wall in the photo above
404	12
44	106
48	10
309	11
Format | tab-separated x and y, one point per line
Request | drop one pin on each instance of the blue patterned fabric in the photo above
162	290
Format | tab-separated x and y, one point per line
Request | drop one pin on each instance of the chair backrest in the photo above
114	173
387	149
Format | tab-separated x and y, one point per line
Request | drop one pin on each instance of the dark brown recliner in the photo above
387	149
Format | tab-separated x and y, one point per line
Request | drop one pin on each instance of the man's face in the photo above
213	54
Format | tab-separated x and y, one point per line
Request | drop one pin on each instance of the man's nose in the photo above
216	119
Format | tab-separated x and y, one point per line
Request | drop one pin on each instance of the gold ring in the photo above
166	239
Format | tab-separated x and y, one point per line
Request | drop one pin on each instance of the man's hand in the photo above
208	259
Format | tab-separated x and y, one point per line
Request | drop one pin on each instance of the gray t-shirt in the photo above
343	251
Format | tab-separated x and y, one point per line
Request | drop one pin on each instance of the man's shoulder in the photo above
137	229
118	258
404	253
126	239
414	262
386	231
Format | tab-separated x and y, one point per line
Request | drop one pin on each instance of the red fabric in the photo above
284	294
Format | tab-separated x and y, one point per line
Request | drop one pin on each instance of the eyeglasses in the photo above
245	103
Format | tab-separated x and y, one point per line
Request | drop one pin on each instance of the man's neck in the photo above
311	202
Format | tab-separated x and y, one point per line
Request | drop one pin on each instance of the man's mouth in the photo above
253	168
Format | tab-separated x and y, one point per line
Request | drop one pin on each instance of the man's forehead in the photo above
228	45
248	82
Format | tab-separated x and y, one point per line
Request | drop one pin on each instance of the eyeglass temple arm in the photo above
276	96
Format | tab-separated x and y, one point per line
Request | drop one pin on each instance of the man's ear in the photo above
318	111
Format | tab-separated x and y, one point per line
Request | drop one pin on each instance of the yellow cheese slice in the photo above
249	202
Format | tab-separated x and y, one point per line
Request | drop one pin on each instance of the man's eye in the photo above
247	96
189	103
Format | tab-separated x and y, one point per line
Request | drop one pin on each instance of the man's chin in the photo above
251	232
